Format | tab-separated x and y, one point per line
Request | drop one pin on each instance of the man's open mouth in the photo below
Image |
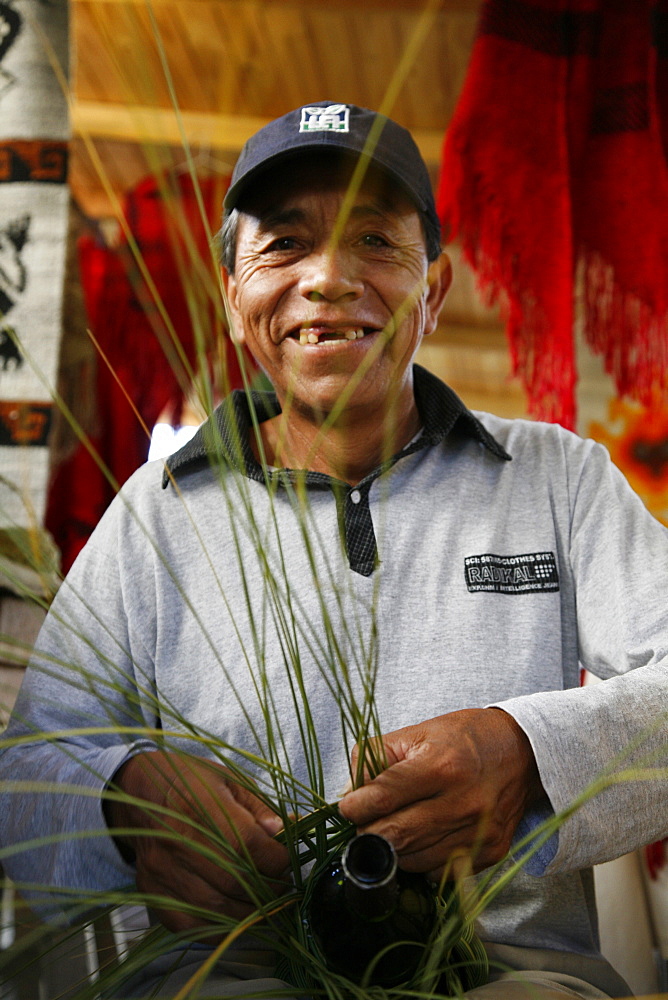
320	335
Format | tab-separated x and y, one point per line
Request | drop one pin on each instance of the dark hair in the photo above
226	238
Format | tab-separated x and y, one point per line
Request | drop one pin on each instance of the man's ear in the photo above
439	278
231	307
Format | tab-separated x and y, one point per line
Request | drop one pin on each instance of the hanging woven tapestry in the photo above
34	131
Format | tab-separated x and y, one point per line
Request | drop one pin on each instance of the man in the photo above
359	524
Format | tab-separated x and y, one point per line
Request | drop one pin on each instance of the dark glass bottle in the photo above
368	919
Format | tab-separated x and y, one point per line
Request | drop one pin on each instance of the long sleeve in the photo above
89	671
618	558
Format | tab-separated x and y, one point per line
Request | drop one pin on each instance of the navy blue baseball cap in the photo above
342	127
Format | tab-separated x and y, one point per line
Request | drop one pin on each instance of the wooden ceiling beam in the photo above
407	5
150	125
224	133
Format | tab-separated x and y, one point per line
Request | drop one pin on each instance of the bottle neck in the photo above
369	865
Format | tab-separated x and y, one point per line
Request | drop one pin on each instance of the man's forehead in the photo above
282	194
365	209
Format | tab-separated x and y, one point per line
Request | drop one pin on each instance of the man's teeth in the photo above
311	337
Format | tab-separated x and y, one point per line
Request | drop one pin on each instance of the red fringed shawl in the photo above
554	176
146	365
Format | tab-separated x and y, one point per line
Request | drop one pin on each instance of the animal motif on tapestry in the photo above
9	350
13	281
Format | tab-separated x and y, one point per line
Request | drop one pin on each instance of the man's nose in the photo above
330	274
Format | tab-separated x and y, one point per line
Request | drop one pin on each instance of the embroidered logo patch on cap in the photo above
523	574
334	118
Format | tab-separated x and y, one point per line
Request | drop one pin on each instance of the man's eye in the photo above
374	240
282	243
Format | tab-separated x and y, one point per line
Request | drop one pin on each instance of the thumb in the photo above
270	822
263	814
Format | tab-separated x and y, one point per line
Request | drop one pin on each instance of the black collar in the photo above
225	436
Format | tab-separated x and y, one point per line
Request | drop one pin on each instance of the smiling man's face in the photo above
320	303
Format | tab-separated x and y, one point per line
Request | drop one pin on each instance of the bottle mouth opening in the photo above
369	860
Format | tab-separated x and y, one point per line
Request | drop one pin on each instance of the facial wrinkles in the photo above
286	312
386	319
317	224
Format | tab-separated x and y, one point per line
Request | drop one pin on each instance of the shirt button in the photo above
355	496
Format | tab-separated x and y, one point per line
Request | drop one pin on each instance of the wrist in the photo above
525	758
118	814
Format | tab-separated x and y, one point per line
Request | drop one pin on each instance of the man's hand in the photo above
454	790
206	795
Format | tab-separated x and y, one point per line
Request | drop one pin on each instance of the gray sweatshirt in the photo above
486	565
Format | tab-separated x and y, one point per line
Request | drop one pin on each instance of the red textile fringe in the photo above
144	365
554	168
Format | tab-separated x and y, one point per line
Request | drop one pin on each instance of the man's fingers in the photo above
213	849
380	752
269	820
211	886
206	909
459	855
232	817
459	783
427	838
238	836
421	828
393	789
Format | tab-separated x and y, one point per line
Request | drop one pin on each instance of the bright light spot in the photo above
165	439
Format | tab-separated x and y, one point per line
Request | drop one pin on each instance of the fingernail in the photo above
272	824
